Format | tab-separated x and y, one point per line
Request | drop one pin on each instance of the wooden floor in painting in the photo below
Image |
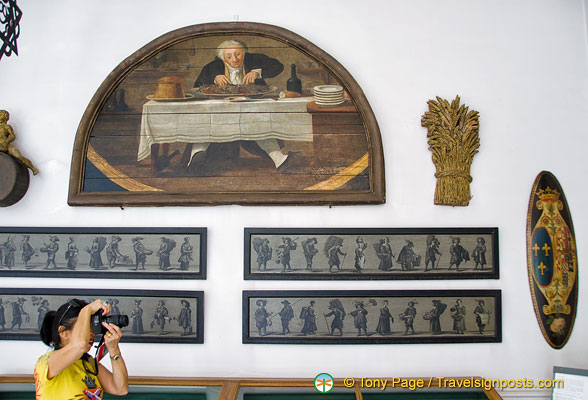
248	172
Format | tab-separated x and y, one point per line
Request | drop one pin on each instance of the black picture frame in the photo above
373	302
120	264
569	382
36	302
375	267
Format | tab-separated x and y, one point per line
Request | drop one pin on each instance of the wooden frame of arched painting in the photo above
161	131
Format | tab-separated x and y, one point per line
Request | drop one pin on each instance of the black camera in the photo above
96	320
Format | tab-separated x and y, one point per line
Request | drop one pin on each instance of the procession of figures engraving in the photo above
148	316
383	253
99	252
340	316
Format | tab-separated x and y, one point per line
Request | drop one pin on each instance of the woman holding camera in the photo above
68	372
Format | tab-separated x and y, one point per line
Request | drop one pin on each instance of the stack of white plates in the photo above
328	95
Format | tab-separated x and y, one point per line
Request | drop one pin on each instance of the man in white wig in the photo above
235	65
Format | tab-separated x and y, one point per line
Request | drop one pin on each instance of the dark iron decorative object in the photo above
10	16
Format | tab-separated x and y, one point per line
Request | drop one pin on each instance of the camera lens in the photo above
97	319
119	320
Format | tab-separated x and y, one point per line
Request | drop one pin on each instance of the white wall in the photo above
522	64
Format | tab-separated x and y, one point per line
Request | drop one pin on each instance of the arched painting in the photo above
228	113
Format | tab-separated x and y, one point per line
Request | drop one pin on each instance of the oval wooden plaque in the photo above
14	180
552	260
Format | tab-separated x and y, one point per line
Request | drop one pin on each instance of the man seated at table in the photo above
235	65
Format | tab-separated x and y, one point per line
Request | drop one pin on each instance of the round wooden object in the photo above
14	180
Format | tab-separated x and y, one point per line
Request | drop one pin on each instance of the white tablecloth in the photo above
219	121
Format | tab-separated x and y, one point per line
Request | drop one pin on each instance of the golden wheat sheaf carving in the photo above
453	139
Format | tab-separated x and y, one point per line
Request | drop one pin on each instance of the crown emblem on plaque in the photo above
548	194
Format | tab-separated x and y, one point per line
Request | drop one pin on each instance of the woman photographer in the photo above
68	372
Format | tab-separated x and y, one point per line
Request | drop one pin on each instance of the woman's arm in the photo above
117	381
77	341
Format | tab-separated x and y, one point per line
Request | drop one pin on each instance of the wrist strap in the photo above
101	350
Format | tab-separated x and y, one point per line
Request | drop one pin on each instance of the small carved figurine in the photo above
7	136
453	139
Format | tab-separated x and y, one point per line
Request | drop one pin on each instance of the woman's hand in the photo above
112	338
117	381
96	305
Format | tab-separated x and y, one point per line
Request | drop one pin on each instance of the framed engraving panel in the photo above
371	253
117	253
155	316
372	316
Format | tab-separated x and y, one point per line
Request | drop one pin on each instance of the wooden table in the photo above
221	121
338	132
